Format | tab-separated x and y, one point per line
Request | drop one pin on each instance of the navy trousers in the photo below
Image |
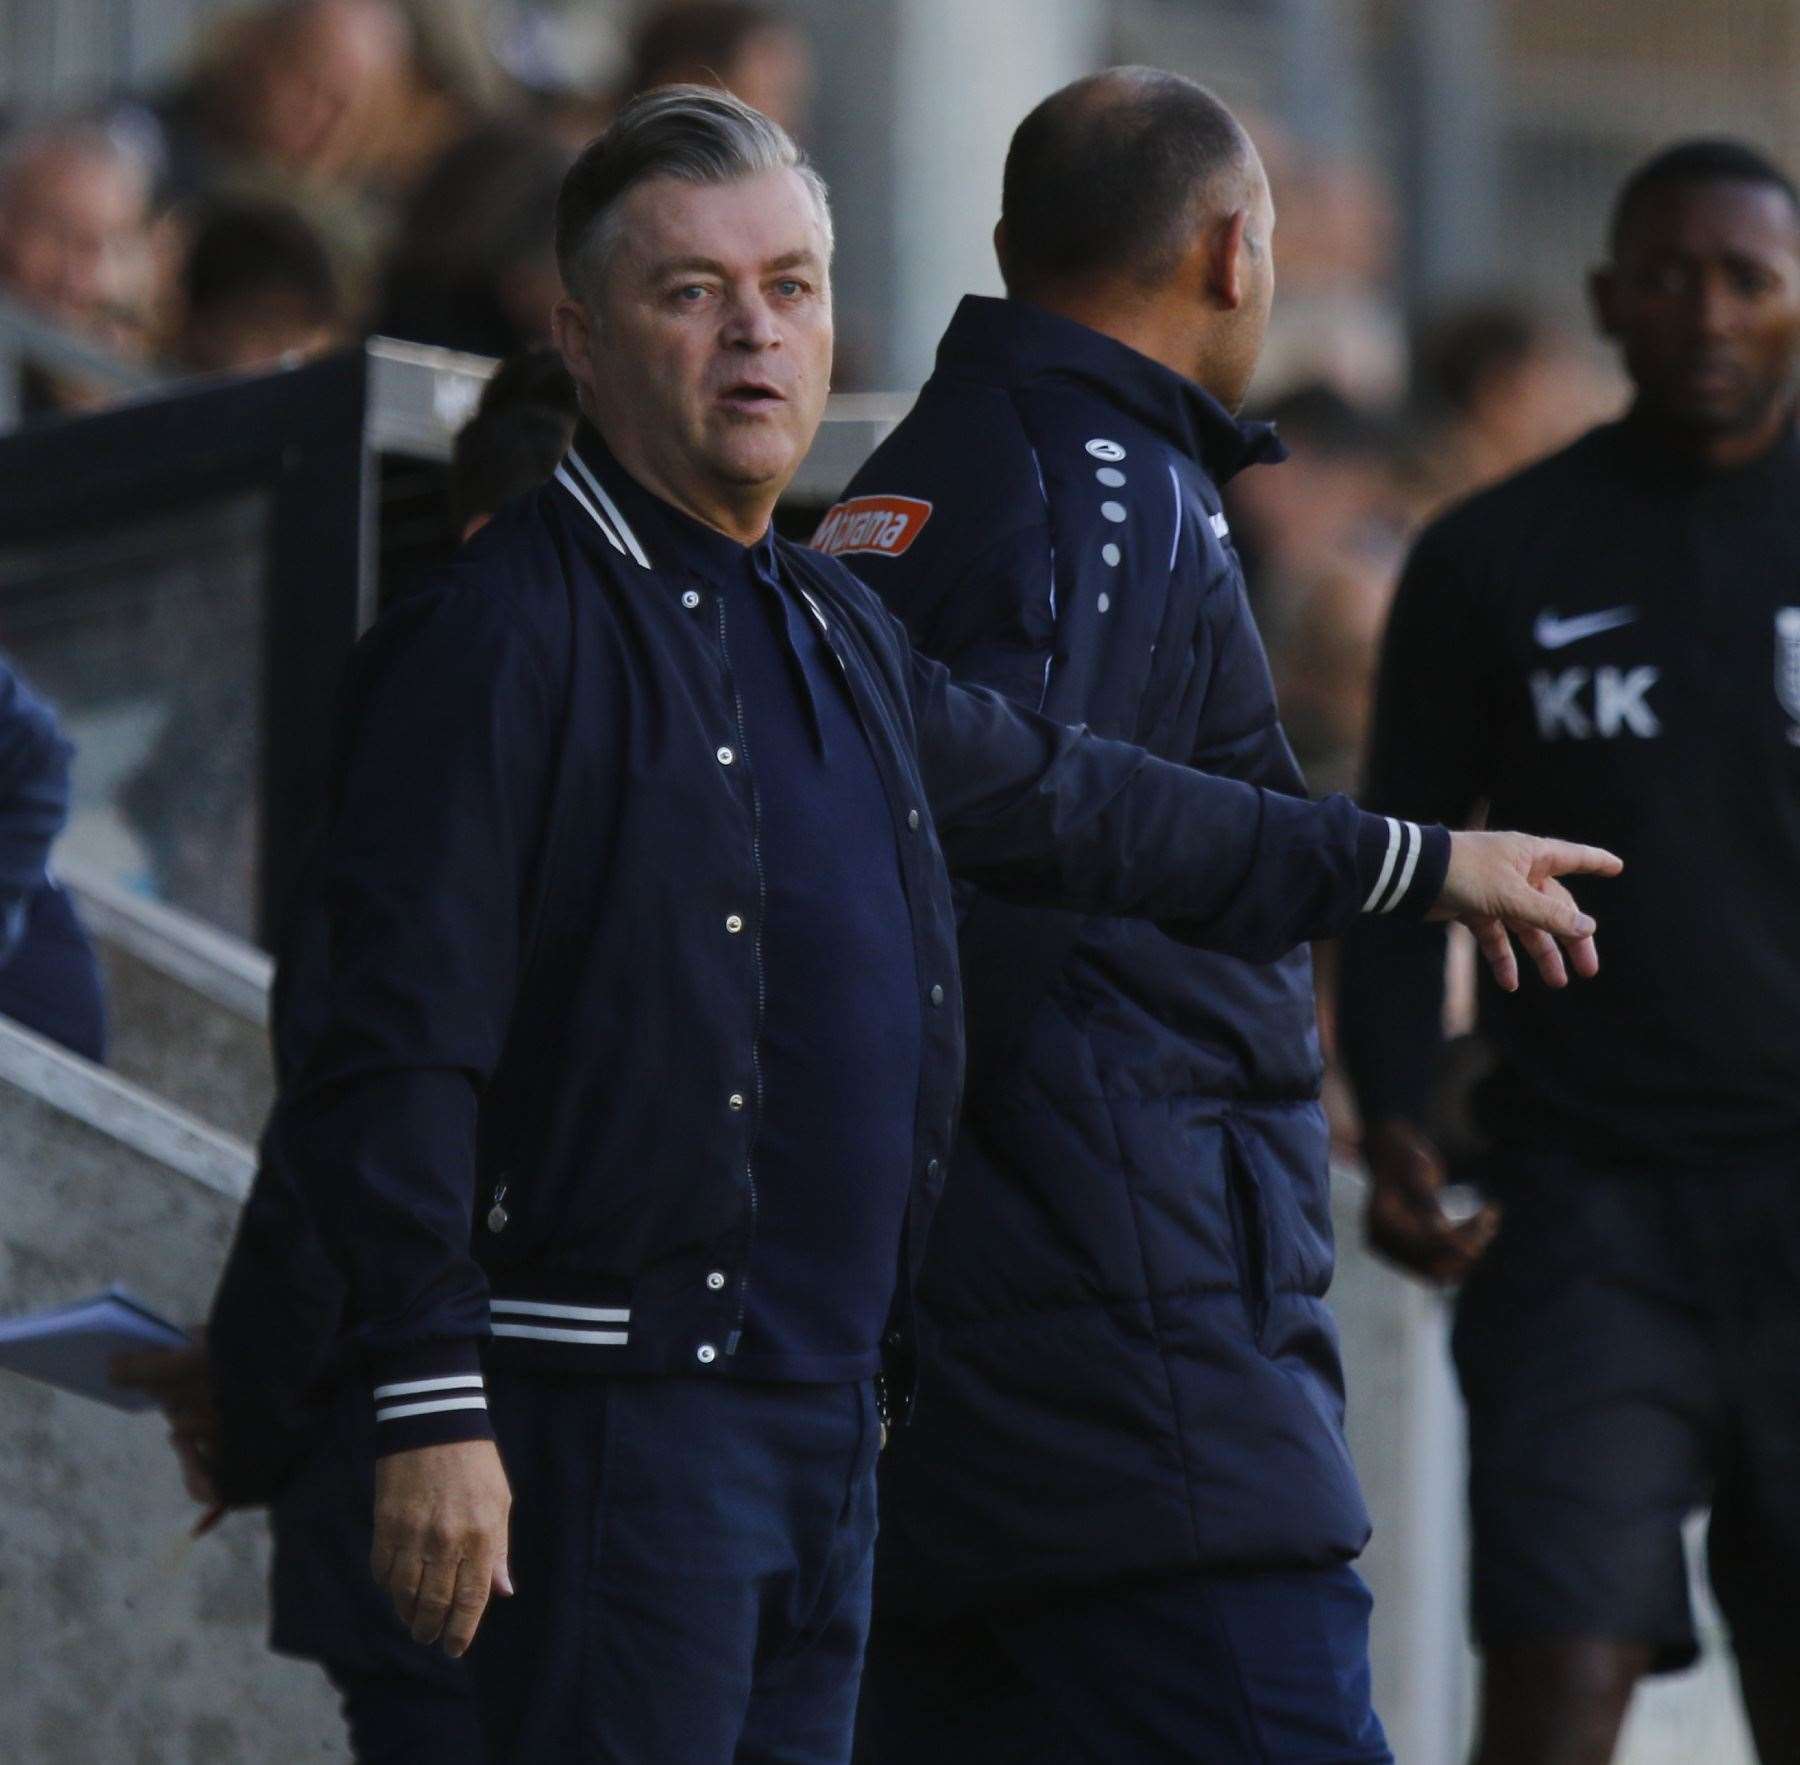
1258	1668
693	1561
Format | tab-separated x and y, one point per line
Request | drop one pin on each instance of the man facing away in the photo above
1122	1524
1611	640
636	1065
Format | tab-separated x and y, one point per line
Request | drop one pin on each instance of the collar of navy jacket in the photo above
547	1019
1007	342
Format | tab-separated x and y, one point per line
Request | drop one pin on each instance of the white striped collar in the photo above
575	475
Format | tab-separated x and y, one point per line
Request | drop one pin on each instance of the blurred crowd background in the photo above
195	186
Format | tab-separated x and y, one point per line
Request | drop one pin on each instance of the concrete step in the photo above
123	1640
188	1006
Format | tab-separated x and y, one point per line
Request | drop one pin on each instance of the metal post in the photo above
1445	75
1317	69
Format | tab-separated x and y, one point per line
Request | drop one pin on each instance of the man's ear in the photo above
1223	248
1000	248
572	330
1603	297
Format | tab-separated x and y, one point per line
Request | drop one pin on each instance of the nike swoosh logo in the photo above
1553	633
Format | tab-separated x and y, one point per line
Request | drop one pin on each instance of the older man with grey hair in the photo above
637	1043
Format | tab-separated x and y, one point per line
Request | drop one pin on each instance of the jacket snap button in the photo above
706	1354
733	923
937	995
735	1100
715	1280
912	819
726	756
931	1169
691	599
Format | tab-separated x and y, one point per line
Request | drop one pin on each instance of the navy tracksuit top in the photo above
526	1123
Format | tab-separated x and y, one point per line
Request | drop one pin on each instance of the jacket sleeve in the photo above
34	800
1429	755
1041	812
439	791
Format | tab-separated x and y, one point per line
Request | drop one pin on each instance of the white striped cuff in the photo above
456	1391
1404	844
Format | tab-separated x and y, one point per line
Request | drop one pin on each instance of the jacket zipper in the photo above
756	958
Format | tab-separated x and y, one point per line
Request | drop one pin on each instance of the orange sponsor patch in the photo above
884	524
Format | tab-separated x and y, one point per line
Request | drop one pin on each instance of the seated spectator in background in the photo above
1499	388
49	979
294	89
471	268
757	53
521	428
75	243
257	290
298	101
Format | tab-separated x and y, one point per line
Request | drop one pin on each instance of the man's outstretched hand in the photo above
440	1538
1500	884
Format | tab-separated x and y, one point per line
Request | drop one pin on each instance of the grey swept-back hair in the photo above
696	134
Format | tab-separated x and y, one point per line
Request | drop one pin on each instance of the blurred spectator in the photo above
757	53
472	267
306	102
1499	388
258	289
1324	667
453	80
75	242
1334	496
521	428
49	978
1339	320
296	89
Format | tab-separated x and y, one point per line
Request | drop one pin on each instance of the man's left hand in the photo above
180	1382
1504	883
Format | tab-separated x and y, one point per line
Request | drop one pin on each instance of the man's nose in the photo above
1717	310
750	324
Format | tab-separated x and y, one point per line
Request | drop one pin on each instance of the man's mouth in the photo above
751	395
1711	374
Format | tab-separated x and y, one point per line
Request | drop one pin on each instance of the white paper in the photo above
72	1346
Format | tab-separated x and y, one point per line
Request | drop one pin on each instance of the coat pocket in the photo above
1249	1231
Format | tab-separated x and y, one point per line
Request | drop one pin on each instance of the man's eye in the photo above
692	294
789	289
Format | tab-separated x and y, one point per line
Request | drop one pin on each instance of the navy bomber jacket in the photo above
526	1114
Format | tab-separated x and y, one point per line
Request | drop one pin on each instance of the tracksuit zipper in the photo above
756	959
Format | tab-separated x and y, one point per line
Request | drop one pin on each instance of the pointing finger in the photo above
1564	858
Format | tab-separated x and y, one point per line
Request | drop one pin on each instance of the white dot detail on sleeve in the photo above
1102	449
1111	477
1105	602
1113	511
1111	554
